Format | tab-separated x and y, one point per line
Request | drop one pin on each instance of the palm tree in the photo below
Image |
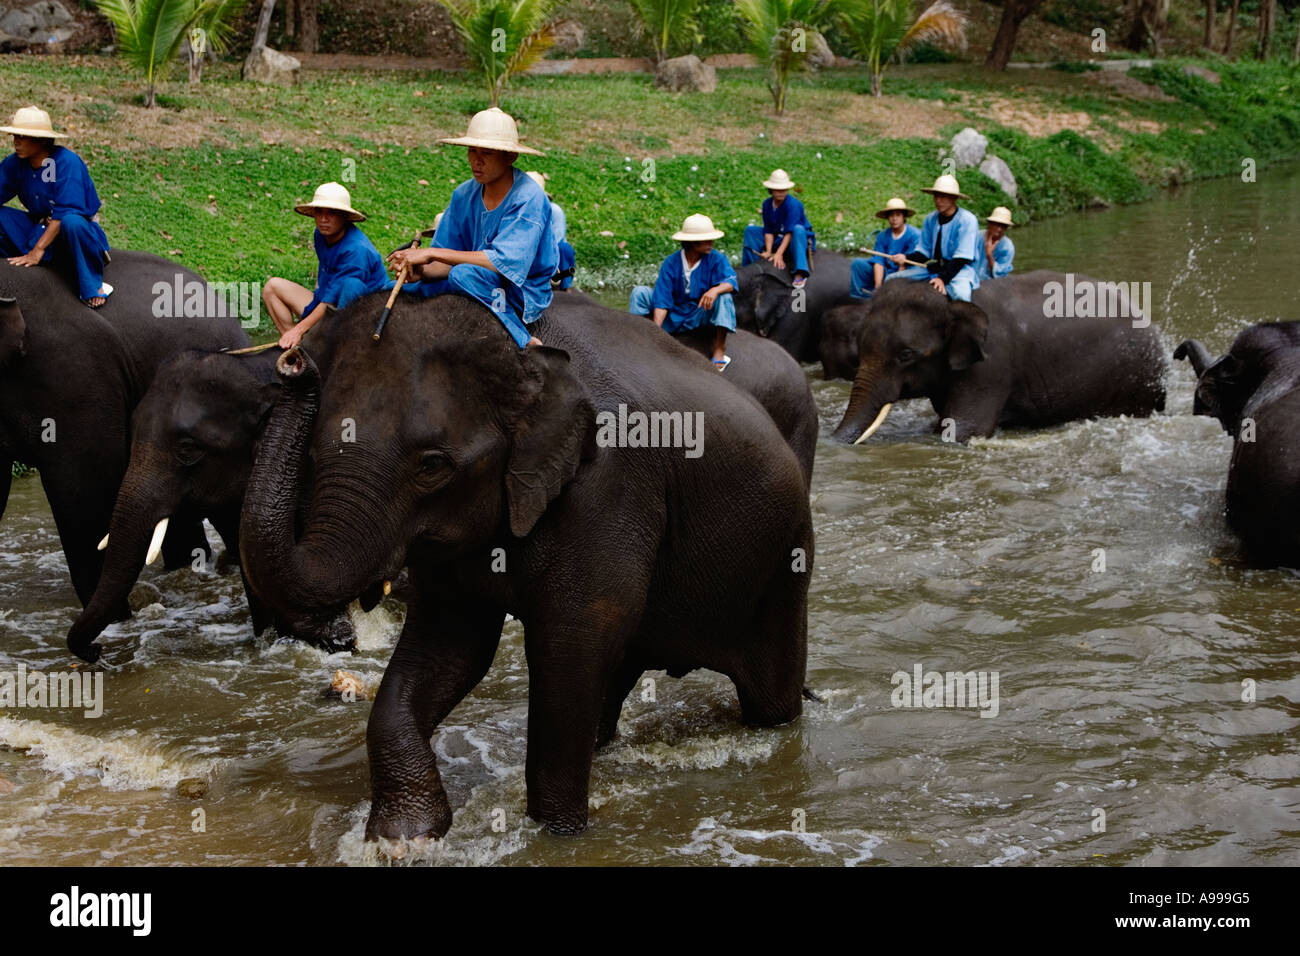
668	24
881	30
502	37
150	32
781	33
216	21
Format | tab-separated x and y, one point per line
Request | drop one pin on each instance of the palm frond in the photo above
940	22
668	24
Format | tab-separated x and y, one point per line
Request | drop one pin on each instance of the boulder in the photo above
271	67
569	36
686	74
10	43
192	788
1208	75
997	170
968	147
19	23
51	13
820	54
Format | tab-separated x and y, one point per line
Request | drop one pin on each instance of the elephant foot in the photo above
88	651
558	821
567	828
408	819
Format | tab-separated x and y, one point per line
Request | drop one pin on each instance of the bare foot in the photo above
95	301
534	341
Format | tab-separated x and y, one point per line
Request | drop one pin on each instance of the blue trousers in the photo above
80	241
722	315
491	288
959	289
798	247
568	259
862	276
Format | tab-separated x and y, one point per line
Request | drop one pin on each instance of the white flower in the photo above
695	169
819	155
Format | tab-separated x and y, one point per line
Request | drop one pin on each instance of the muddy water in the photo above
1120	735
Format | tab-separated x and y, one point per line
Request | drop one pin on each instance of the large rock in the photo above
271	67
968	148
20	23
820	54
569	36
686	74
51	13
10	43
998	171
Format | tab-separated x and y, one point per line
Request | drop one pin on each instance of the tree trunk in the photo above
263	24
1004	42
1148	24
1232	28
291	18
1295	54
308	28
875	83
1210	13
1267	17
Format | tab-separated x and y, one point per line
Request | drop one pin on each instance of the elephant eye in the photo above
434	464
188	451
906	355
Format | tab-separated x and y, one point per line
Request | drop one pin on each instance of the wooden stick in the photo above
910	262
392	296
252	349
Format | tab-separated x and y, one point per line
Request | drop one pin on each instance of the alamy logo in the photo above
134	910
952	689
63	689
1087	299
219	300
651	430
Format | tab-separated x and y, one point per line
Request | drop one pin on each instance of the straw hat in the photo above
946	185
330	196
493	129
895	205
430	232
697	228
32	121
1001	215
779	179
537	178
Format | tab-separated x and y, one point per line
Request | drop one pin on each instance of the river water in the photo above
1121	735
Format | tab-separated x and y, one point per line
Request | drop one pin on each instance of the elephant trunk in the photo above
310	578
147	498
1197	353
869	402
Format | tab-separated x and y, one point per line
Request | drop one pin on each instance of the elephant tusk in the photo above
103	543
871	429
388	588
155	545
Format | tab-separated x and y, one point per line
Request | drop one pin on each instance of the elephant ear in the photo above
966	335
13	332
550	438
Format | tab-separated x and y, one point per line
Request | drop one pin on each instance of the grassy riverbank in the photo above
210	179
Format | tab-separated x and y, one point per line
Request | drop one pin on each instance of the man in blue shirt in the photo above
568	259
785	229
898	243
995	252
54	186
948	238
348	266
693	289
494	243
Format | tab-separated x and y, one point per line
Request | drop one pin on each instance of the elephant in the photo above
192	441
70	377
1003	359
498	477
1254	392
839	342
759	367
767	302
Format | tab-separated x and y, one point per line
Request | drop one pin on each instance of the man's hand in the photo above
412	258
707	300
899	259
292	337
988	250
32	258
778	260
765	254
937	284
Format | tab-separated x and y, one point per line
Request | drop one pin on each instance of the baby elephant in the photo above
1254	392
1027	351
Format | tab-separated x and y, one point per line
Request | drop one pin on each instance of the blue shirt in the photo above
353	257
517	237
60	187
960	236
671	292
887	243
1003	254
778	220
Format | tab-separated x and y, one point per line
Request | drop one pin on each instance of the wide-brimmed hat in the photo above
1001	215
895	205
537	177
32	121
331	196
493	128
437	220
779	179
946	185
697	228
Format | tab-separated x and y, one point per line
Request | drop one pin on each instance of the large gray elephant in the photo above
1005	358
1254	392
531	482
70	377
768	304
838	348
192	442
